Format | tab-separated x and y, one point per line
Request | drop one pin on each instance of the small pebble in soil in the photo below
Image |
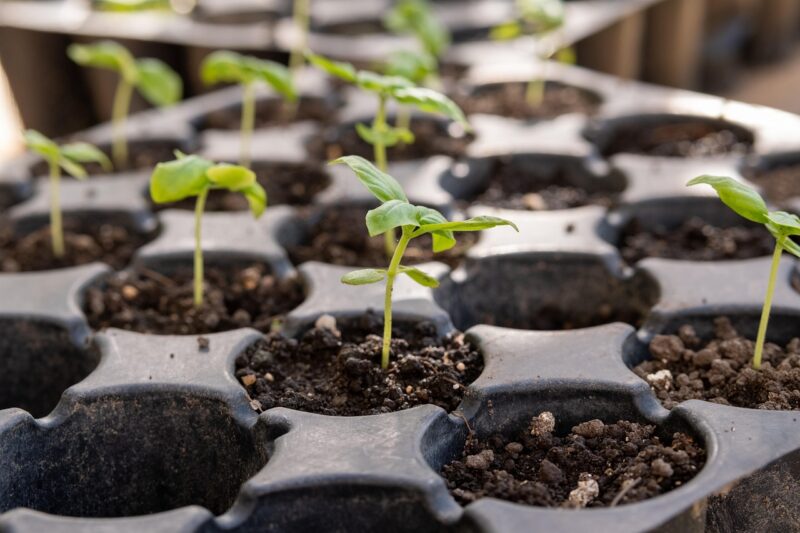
334	368
595	465
719	370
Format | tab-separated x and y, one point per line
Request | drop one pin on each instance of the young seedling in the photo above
748	204
69	158
415	67
154	79
543	19
230	67
191	176
414	221
301	17
380	134
415	17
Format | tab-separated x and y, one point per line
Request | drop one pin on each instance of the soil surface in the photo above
512	187
84	242
285	184
270	112
431	138
684	367
695	240
334	369
779	183
508	100
690	138
236	296
143	155
595	465
340	237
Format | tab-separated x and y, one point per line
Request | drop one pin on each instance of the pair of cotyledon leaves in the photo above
189	176
395	211
416	17
229	67
155	80
747	203
533	16
70	157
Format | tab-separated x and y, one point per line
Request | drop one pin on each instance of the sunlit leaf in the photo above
742	199
364	277
379	183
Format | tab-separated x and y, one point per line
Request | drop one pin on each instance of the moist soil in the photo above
431	138
141	156
690	138
695	240
340	237
334	369
778	183
270	112
595	465
684	367
508	100
512	187
236	296
84	242
285	183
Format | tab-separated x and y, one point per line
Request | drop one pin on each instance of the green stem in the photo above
56	225
391	274
248	123
762	326
403	119
534	93
198	248
379	149
119	114
302	20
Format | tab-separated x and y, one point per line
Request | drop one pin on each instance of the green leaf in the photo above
443	239
783	223
378	83
391	214
383	186
256	198
129	6
86	153
472	224
364	277
792	247
742	199
274	74
75	170
506	31
231	177
415	67
431	101
543	15
339	69
567	56
390	136
419	276
417	18
224	66
179	179
158	83
41	145
105	54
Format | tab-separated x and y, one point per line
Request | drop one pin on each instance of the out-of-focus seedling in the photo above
132	6
68	157
544	20
229	67
414	221
415	17
748	204
190	176
154	79
301	17
380	134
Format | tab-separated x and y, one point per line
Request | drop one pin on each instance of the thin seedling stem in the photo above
762	326
198	248
391	274
119	115
56	225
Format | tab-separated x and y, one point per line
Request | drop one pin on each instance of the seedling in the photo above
380	135
414	221
544	20
154	79
230	67
130	6
415	17
68	157
190	176
748	204
415	67
301	17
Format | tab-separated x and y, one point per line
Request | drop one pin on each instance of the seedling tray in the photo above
124	431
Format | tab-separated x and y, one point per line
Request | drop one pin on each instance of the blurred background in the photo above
741	49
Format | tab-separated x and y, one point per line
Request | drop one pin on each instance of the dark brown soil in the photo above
85	242
779	183
595	465
695	240
340	237
7	199
684	367
512	187
285	184
236	296
270	112
337	372
690	138
508	100
142	155
431	138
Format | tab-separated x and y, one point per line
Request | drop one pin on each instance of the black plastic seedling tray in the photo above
121	431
